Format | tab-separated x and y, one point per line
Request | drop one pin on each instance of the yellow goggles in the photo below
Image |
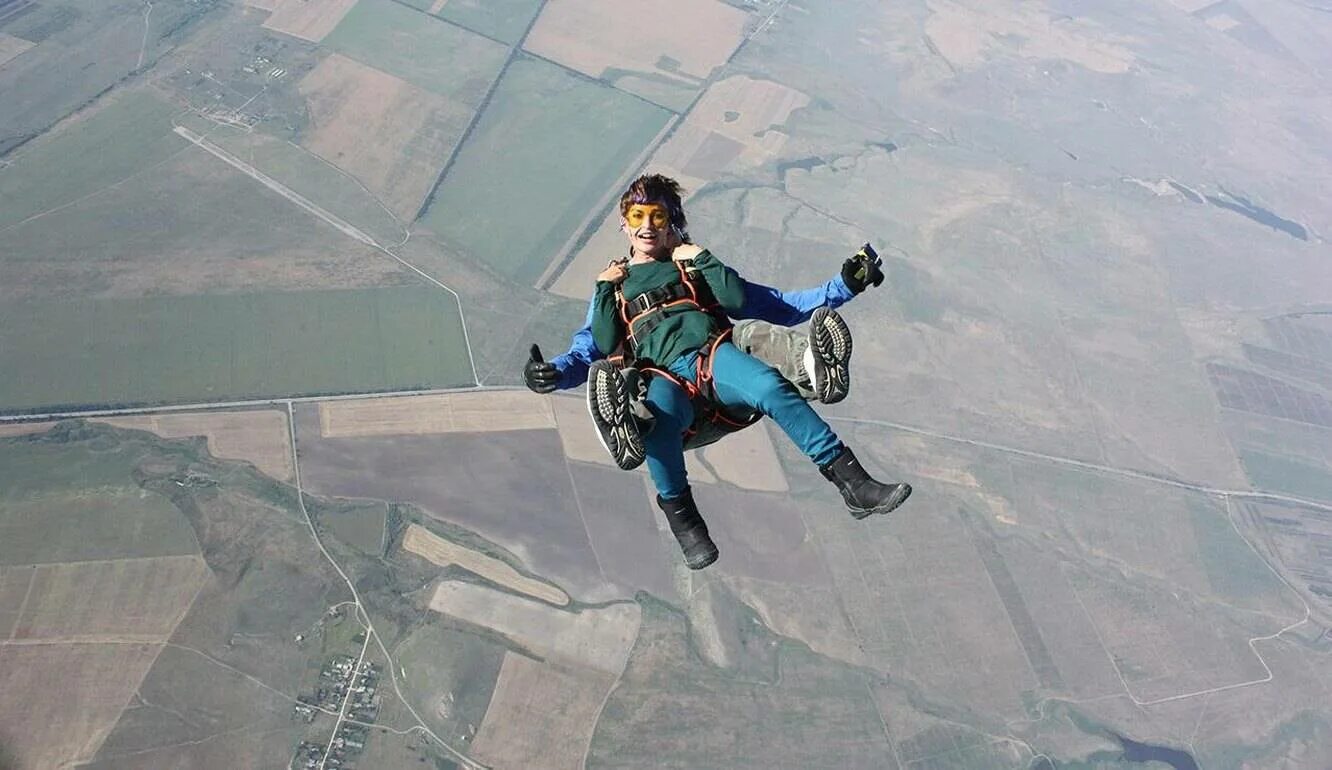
640	214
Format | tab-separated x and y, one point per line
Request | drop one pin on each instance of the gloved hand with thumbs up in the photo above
541	375
863	270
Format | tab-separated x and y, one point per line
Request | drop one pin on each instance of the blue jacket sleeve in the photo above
789	308
582	352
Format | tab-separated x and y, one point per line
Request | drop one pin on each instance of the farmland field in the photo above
138	600
48	727
257	436
222	347
309	176
81	52
125	137
424	51
392	135
501	19
192	225
549	137
71	504
602	39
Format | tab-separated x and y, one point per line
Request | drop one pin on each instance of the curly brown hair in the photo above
660	189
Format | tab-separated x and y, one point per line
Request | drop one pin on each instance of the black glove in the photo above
541	376
863	270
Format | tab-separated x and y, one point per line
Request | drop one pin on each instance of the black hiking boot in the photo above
689	529
863	495
828	359
608	401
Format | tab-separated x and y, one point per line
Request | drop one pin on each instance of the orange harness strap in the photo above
702	390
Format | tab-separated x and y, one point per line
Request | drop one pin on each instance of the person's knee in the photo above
669	405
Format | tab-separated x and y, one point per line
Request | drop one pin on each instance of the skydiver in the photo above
758	332
668	306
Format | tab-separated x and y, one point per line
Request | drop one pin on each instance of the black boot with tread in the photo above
863	495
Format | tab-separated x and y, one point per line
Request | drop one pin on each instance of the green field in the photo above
418	48
307	175
230	346
1235	572
502	19
358	524
130	134
1283	474
441	662
73	503
547	149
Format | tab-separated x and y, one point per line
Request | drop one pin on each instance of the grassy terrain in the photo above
219	347
549	145
82	50
61	503
502	19
1283	474
1233	569
307	175
358	524
130	134
803	711
450	676
418	48
190	225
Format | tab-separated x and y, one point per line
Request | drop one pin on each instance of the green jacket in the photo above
684	328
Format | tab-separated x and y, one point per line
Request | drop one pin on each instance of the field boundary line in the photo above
18	617
341	225
310	206
1086	465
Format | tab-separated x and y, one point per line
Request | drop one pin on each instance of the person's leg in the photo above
780	347
672	415
742	379
816	361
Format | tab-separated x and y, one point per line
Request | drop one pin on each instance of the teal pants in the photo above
741	381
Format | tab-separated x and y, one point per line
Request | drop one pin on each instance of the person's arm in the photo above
572	365
605	321
727	286
791	308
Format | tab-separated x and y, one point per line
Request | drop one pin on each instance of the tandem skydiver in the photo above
667	310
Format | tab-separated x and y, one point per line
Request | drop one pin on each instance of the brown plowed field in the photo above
127	599
593	36
308	19
540	715
428	545
72	695
259	437
445	413
391	135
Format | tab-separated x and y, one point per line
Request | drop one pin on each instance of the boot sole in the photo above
706	561
830	341
893	502
608	404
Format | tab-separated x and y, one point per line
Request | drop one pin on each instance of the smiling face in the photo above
652	217
648	226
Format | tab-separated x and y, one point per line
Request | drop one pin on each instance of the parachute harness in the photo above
645	312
